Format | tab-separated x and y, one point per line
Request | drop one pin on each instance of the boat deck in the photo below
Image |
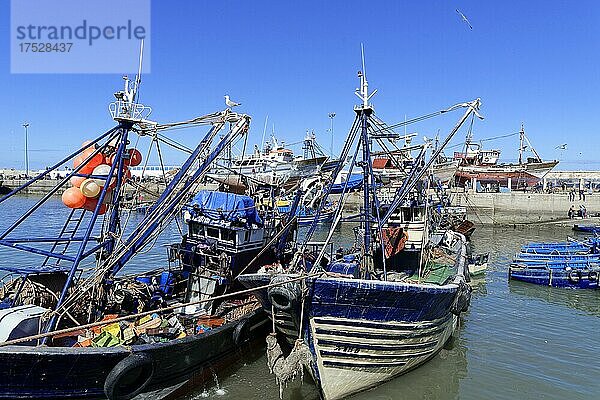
439	273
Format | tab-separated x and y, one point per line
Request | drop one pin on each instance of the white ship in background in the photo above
274	165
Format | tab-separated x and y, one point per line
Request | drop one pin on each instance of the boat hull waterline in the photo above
62	372
362	332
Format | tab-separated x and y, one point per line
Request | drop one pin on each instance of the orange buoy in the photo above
77	161
73	198
76	180
90	205
90	165
96	160
90	188
135	157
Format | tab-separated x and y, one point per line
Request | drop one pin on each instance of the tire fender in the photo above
284	296
129	377
241	332
574	276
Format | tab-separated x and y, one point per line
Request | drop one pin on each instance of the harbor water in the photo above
517	341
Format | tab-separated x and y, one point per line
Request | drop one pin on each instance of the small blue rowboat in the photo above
565	264
576	276
306	215
557	257
586	228
570	250
324	217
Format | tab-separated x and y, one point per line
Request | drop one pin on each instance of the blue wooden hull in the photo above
363	332
586	228
557	250
558	257
575	278
325	216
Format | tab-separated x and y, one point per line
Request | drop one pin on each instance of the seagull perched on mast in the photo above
231	103
464	18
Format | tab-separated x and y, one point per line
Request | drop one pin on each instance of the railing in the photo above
122	110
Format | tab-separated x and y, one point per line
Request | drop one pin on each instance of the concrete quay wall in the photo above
486	208
43	186
522	208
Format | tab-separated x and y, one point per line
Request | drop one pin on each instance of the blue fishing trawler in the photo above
568	264
74	324
353	320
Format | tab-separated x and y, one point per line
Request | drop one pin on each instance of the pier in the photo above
522	208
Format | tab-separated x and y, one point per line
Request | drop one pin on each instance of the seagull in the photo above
231	103
464	18
561	146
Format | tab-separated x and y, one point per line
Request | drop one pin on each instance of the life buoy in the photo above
284	296
241	332
574	276
129	377
593	276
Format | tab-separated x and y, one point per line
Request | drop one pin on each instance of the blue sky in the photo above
536	62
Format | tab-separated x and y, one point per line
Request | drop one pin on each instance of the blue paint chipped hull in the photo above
574	278
364	332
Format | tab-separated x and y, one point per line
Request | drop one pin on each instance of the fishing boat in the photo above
346	182
274	165
478	264
352	319
586	228
482	165
228	224
306	214
566	264
75	322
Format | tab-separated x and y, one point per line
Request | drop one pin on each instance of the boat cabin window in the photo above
228	235
212	232
196	229
406	214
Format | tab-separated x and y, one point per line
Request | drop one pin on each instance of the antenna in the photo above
363	91
138	77
362	54
262	143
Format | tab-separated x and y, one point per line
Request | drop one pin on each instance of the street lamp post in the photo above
331	116
26	125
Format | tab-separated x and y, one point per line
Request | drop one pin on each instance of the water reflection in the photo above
587	301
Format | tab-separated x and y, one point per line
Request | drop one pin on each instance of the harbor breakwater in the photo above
484	208
43	186
510	208
523	208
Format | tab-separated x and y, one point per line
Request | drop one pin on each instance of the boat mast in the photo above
526	139
128	113
521	144
364	112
